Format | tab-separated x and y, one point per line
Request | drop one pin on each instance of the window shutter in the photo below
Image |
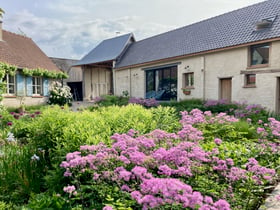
20	85
46	87
29	86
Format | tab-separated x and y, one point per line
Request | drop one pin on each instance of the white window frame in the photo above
37	86
10	81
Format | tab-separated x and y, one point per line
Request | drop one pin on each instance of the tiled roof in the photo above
230	29
63	63
22	52
107	50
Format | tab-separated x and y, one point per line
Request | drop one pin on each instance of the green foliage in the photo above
185	105
44	73
111	100
20	172
46	201
6	206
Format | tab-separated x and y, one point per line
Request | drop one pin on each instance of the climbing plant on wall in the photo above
4	70
11	70
44	73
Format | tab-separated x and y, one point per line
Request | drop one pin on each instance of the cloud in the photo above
70	30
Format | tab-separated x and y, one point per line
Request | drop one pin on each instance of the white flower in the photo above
11	137
35	157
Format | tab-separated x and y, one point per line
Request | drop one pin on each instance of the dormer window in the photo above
259	54
265	23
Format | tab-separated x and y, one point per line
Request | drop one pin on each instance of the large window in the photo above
10	84
161	83
259	54
37	86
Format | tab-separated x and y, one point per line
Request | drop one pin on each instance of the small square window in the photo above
259	54
188	79
250	80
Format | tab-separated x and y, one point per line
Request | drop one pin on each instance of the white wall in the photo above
208	70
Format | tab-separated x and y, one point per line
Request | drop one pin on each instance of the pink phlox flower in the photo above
160	135
195	199
73	155
145	143
139	172
67	173
69	189
165	170
221	165
124	159
236	174
123	173
222	205
136	195
107	208
218	141
96	176
188	132
126	188
90	148
132	133
208	113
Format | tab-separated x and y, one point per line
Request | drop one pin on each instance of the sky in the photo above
72	28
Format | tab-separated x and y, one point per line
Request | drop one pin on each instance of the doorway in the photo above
226	89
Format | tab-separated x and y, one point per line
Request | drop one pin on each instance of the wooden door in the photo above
225	89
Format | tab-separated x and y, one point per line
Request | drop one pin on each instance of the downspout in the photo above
91	85
83	81
204	79
113	75
130	89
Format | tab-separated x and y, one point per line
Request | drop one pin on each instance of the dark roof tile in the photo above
107	50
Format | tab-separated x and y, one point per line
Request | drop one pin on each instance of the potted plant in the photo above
186	91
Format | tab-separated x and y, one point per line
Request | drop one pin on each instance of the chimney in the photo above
1	16
1	33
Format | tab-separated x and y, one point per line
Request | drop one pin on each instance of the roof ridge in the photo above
20	35
117	36
201	21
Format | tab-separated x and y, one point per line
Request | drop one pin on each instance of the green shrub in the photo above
46	201
111	100
185	105
5	206
21	172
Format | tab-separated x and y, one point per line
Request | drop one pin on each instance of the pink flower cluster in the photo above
157	192
152	167
197	116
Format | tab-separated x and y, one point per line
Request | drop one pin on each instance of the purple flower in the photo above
9	123
108	208
69	189
218	141
222	205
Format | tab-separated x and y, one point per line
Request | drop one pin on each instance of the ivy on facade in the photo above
11	70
